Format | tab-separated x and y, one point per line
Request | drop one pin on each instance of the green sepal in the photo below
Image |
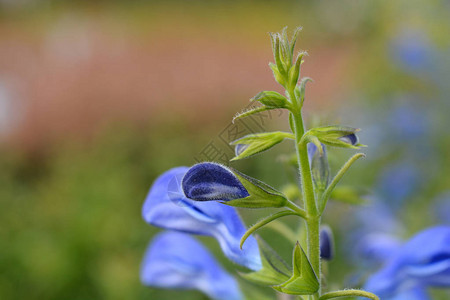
274	269
294	38
301	89
320	170
276	47
255	143
271	99
277	74
285	49
304	280
332	136
261	194
294	72
347	194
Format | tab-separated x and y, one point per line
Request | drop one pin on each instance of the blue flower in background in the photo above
398	182
168	207
422	261
409	120
177	261
376	235
413	51
415	293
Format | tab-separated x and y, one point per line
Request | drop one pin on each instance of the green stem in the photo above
313	217
347	293
299	211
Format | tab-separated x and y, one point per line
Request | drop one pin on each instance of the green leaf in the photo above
261	194
326	195
272	99
304	280
258	142
274	269
263	222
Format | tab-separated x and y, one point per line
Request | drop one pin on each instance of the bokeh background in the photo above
99	97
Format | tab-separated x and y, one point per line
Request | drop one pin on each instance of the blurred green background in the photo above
99	98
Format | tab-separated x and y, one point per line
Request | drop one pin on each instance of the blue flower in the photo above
398	182
168	207
424	260
417	292
374	234
413	51
177	261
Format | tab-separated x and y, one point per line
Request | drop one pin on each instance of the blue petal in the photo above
239	148
312	150
211	181
177	261
166	206
377	247
398	182
351	139
424	259
415	293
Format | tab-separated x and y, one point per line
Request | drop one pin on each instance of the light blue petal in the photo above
177	261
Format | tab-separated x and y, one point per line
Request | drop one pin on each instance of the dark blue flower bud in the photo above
351	139
210	181
326	243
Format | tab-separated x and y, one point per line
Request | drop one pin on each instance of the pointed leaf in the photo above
274	271
304	280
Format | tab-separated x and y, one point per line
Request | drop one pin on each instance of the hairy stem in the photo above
348	293
313	217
